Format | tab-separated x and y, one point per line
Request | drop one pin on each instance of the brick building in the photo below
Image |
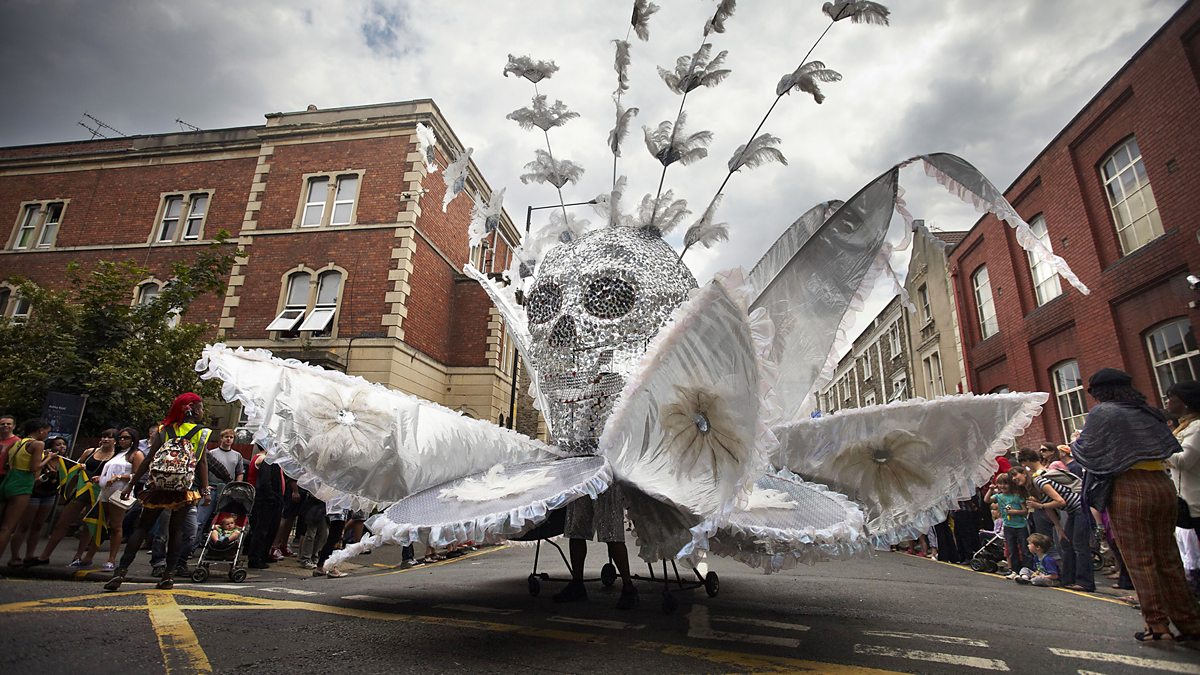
1115	194
876	370
349	261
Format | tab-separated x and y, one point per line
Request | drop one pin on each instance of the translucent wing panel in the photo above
907	463
342	435
683	430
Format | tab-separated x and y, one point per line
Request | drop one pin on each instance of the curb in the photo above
53	574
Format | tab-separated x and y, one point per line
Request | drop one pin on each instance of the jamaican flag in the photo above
74	483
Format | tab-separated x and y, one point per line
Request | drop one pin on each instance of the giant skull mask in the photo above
596	304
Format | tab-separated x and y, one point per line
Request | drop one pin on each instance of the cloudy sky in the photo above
990	81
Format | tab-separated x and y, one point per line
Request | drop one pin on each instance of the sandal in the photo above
1151	636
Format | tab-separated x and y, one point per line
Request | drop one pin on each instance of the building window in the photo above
894	340
866	364
1002	389
308	305
899	387
329	200
1045	280
12	306
148	292
1068	392
988	326
932	366
923	304
1134	210
38	224
1173	353
181	217
869	398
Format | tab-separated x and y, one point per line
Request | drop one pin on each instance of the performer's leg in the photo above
578	557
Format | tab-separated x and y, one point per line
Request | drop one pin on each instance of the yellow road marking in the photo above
26	604
180	648
742	661
1091	596
448	561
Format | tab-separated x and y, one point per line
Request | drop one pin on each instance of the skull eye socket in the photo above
543	303
609	297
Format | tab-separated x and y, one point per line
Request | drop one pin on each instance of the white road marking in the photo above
597	623
1090	672
290	591
700	627
948	639
1137	661
375	598
477	610
935	657
764	623
224	586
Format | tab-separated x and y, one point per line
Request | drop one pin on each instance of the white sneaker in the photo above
79	563
108	567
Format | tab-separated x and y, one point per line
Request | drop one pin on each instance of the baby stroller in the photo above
990	556
237	500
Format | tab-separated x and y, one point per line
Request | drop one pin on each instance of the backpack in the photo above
1066	479
174	465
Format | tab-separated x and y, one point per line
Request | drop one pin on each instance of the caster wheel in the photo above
712	584
669	603
535	585
237	576
544	576
200	574
979	565
608	574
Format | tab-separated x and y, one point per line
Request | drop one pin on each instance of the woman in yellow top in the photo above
25	461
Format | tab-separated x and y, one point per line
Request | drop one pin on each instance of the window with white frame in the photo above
1173	353
894	342
1068	393
899	387
147	292
867	367
37	226
923	304
12	306
329	199
988	325
309	304
1046	285
181	217
932	367
869	398
1135	213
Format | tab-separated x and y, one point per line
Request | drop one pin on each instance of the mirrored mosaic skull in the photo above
595	305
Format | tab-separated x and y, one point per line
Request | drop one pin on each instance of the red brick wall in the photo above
1155	99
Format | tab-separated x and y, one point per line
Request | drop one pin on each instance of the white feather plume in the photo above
766	498
695	70
621	65
608	205
526	67
485	217
716	24
805	77
542	116
858	11
759	151
669	143
496	484
642	11
426	142
455	177
560	230
666	217
621	130
704	231
546	169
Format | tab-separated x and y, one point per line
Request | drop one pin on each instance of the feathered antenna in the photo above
639	24
762	149
700	69
544	168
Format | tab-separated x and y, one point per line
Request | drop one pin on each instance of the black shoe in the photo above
158	571
166	583
629	598
34	562
258	565
117	578
574	592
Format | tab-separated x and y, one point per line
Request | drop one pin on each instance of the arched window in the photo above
1135	213
295	304
147	292
309	304
1045	280
1173	353
1068	393
324	305
988	326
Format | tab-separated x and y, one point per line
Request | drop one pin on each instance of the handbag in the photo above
114	498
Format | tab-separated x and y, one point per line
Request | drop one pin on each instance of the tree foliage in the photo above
86	337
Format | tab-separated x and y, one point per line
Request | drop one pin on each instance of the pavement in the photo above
891	613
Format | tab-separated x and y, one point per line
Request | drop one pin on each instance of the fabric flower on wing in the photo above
343	428
496	484
701	432
882	470
768	498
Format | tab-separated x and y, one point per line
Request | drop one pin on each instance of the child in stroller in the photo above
228	532
990	556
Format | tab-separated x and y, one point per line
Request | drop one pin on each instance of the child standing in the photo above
1011	503
1045	571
